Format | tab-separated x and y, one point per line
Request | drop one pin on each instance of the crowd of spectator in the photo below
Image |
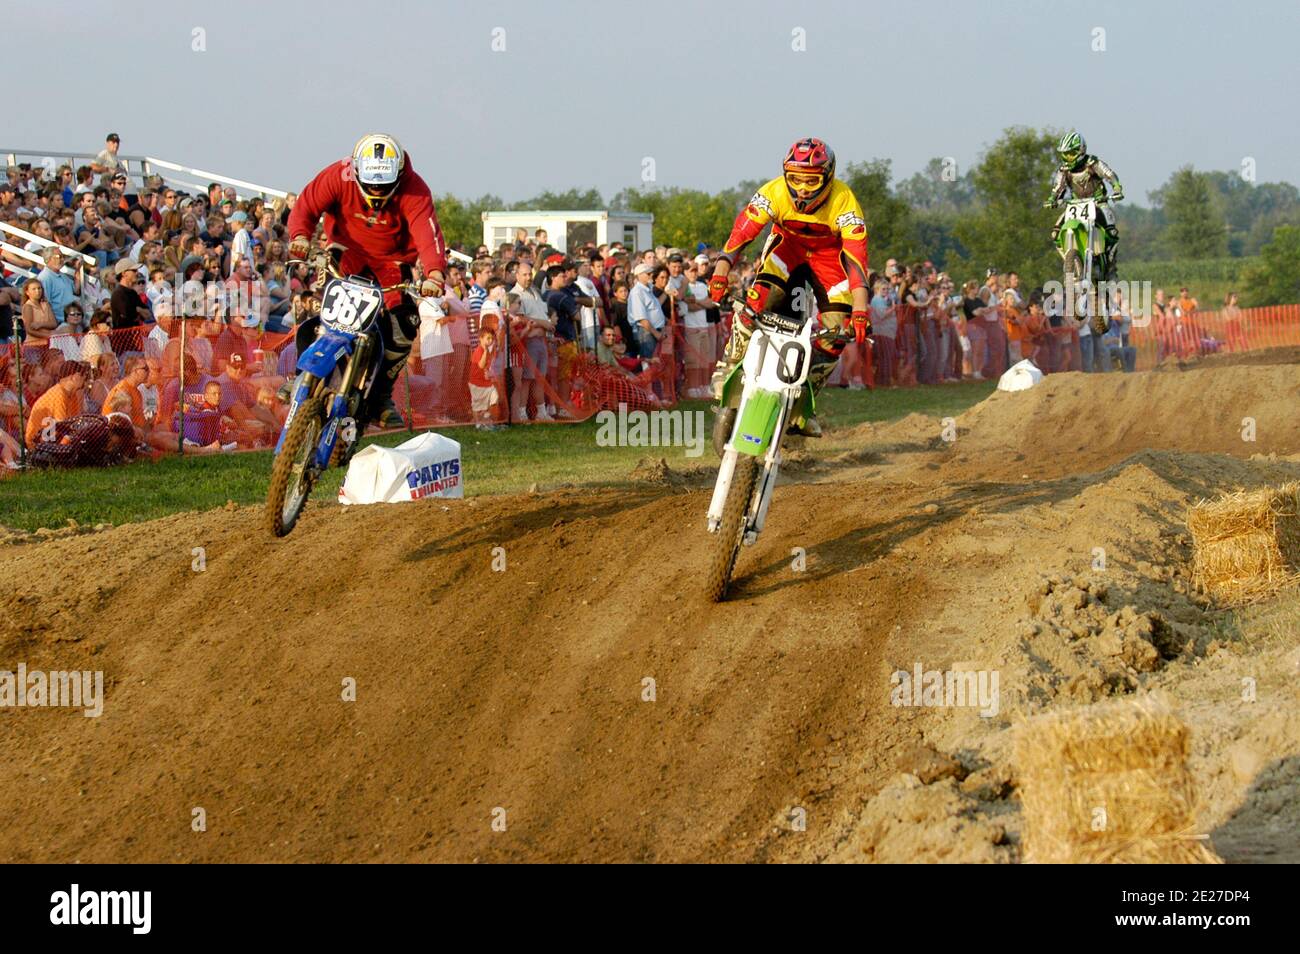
528	332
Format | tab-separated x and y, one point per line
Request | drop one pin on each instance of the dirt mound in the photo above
538	677
1072	422
1229	359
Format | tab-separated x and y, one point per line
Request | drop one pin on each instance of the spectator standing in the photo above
126	308
563	309
699	353
38	316
884	331
644	313
536	365
1234	325
107	163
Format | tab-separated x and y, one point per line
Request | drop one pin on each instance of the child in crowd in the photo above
204	422
482	391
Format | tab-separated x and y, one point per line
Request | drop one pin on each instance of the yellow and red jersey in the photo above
837	225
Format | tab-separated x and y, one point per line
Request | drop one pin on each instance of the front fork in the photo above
346	402
343	405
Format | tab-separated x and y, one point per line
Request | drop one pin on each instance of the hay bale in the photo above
1108	784
1246	545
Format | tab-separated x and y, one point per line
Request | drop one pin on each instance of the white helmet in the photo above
377	164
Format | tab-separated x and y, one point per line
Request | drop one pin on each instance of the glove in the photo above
431	288
718	288
1049	204
861	326
1117	195
299	248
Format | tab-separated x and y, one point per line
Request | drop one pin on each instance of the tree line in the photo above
987	215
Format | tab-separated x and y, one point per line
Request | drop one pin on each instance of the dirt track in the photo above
523	689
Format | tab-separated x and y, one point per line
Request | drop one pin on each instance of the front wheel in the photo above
292	473
731	533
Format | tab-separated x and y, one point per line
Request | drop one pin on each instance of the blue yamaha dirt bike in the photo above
768	391
335	375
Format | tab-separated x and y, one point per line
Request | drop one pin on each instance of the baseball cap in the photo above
552	260
642	269
701	259
125	265
239	216
675	257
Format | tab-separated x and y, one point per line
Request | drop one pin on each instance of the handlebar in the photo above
330	266
825	334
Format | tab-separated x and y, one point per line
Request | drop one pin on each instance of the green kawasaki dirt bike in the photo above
767	391
1081	242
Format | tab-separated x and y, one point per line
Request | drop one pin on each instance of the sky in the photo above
512	98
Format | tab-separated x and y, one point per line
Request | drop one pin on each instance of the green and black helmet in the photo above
1072	149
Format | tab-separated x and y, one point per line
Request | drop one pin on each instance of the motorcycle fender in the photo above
325	354
757	423
1073	235
731	386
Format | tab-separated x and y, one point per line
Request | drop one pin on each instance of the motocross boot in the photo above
823	363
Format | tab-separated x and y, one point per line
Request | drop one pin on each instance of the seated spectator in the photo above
270	412
204	427
62	401
9	394
74	320
10	454
1114	346
104	375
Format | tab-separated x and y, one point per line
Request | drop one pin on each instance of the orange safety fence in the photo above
131	402
1209	332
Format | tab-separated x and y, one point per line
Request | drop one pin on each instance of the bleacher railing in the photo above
139	167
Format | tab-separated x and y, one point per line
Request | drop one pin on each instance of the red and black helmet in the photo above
810	165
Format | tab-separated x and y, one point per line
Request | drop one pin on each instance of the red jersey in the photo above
403	231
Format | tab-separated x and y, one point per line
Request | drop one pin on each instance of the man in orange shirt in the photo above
62	401
1186	303
136	373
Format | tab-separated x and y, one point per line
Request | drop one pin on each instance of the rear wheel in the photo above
1100	297
1073	275
291	474
731	533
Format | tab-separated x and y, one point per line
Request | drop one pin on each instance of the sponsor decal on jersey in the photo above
849	220
760	203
